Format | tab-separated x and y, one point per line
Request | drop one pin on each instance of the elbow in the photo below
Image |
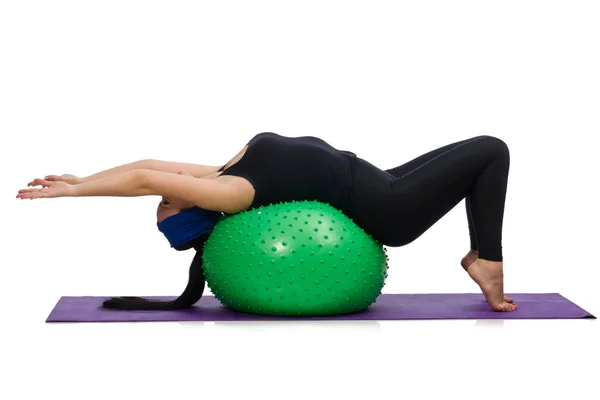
147	163
142	179
235	204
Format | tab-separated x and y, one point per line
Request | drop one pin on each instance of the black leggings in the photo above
398	205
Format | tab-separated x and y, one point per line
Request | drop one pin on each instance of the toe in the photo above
506	307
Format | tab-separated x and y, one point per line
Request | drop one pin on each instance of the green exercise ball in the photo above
302	258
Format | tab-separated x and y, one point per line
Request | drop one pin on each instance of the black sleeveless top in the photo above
302	168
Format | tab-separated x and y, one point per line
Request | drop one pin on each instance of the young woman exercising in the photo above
395	206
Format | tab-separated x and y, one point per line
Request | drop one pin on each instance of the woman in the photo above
395	206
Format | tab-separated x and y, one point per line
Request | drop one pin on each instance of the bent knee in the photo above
495	144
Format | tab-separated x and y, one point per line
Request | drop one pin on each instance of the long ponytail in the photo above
192	293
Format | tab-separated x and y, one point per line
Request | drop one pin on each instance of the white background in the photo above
88	85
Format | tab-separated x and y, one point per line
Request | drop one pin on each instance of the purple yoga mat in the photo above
387	307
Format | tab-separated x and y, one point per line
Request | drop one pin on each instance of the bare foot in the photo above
470	259
490	278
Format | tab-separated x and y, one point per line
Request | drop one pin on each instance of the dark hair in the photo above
192	293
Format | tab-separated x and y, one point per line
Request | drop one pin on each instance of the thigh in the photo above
397	210
424	195
417	162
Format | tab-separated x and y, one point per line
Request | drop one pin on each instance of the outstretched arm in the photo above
196	170
209	194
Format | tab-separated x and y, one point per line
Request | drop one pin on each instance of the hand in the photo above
49	190
67	178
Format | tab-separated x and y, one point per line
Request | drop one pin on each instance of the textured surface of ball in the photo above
294	259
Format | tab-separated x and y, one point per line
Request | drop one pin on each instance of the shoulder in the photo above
241	190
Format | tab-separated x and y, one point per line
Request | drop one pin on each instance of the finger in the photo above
32	195
43	182
39	182
29	193
28	190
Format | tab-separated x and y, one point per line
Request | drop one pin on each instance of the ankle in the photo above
483	261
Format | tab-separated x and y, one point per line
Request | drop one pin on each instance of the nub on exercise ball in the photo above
298	259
